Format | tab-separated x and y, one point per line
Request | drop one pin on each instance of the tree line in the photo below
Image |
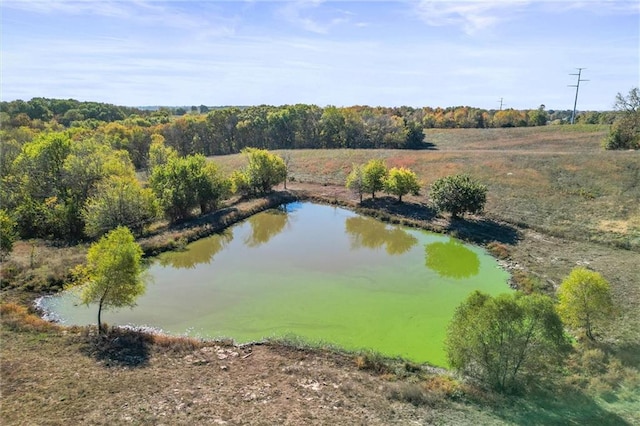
228	130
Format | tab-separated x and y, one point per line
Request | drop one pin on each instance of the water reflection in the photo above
266	225
200	251
452	259
371	233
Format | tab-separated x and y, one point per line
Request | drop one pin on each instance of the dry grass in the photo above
555	179
39	266
18	318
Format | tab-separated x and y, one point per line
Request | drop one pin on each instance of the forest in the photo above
227	130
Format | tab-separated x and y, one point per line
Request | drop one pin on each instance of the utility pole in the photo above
577	86
500	104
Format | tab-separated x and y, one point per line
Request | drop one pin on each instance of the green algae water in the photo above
321	273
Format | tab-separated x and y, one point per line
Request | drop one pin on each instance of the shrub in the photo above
458	194
504	340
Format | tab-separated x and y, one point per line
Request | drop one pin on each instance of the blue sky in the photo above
417	53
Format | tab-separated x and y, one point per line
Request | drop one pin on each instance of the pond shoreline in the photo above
410	213
476	229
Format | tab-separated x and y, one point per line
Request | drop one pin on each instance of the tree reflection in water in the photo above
265	226
200	251
451	259
371	233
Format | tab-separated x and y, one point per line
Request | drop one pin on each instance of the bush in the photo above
504	340
458	194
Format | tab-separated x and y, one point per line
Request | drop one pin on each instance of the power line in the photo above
500	103
577	86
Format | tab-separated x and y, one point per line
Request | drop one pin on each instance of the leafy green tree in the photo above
506	339
210	186
538	117
415	136
355	180
401	181
584	300
7	233
458	194
264	171
625	131
185	183
159	153
54	175
112	276
119	201
374	174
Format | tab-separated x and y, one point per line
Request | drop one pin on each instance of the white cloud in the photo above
300	14
146	13
471	16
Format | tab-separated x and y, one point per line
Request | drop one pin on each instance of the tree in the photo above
501	340
159	153
286	158
7	233
584	300
56	174
113	272
401	181
458	194
119	201
210	187
625	131
355	180
264	171
373	175
184	183
538	117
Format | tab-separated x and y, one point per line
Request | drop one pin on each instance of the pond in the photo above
322	273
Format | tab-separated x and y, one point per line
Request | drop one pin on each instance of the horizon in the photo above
396	53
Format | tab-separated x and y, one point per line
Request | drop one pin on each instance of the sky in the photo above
342	53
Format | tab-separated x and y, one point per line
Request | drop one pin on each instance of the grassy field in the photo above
556	179
560	200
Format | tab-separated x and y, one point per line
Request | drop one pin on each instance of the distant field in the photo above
556	179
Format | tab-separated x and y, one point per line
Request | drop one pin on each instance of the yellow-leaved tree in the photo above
584	300
113	275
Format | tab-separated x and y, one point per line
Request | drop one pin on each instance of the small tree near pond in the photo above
585	300
458	194
263	171
112	276
401	181
355	180
506	339
374	173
